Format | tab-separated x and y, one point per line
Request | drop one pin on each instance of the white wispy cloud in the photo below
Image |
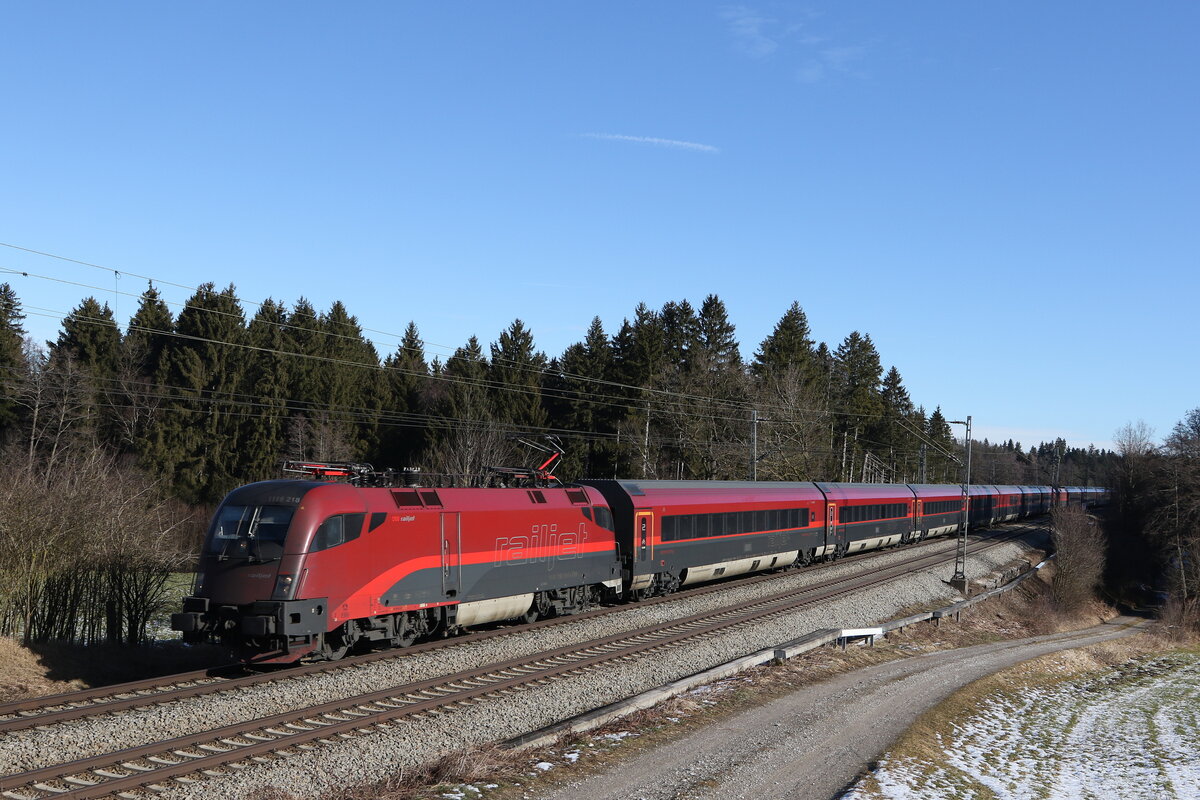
831	61
760	36
654	140
750	31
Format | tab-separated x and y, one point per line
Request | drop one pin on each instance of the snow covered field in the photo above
1126	733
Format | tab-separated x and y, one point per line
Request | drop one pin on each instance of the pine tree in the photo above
90	336
142	371
91	341
681	334
265	385
196	442
712	430
516	376
403	436
466	439
893	429
790	345
940	467
350	383
572	383
857	363
716	337
12	358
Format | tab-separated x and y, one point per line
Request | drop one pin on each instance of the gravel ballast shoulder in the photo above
385	750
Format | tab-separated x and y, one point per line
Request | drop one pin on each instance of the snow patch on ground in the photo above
1131	732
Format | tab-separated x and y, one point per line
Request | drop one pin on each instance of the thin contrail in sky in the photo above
618	137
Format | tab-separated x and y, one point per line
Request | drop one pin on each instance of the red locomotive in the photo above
314	568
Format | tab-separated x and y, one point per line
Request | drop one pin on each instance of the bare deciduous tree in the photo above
1080	547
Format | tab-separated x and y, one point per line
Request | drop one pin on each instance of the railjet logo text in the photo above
544	543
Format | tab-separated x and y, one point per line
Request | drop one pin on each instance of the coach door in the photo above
833	535
643	535
451	552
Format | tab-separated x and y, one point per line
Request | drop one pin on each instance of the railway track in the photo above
236	746
82	704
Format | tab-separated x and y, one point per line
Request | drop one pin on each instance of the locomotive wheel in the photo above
337	643
535	611
406	634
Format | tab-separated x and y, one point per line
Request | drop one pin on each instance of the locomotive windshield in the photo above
255	533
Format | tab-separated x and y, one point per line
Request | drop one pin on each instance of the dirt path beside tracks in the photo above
809	745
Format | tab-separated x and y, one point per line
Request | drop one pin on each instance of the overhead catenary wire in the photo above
665	398
667	401
519	365
434	420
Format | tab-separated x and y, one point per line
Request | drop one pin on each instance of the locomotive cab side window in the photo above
338	529
603	517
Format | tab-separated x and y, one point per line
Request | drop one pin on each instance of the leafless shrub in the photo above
1180	619
86	549
1080	547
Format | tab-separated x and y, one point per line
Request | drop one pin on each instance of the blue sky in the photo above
1003	195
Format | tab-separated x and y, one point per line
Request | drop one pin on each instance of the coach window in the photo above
668	529
686	526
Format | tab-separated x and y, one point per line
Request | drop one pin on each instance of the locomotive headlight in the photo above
283	587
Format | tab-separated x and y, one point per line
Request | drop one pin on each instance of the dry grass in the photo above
52	669
22	674
1180	621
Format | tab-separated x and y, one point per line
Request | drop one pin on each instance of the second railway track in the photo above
85	703
241	743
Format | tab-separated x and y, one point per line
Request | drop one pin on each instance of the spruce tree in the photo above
859	405
640	362
90	336
790	345
12	358
573	381
142	371
350	383
941	468
306	340
640	349
149	331
265	386
91	341
516	376
712	426
681	334
196	443
893	429
465	439
716	337
403	434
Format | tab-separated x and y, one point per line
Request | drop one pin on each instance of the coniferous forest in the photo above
120	435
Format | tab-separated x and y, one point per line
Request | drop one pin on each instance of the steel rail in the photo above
85	703
107	774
